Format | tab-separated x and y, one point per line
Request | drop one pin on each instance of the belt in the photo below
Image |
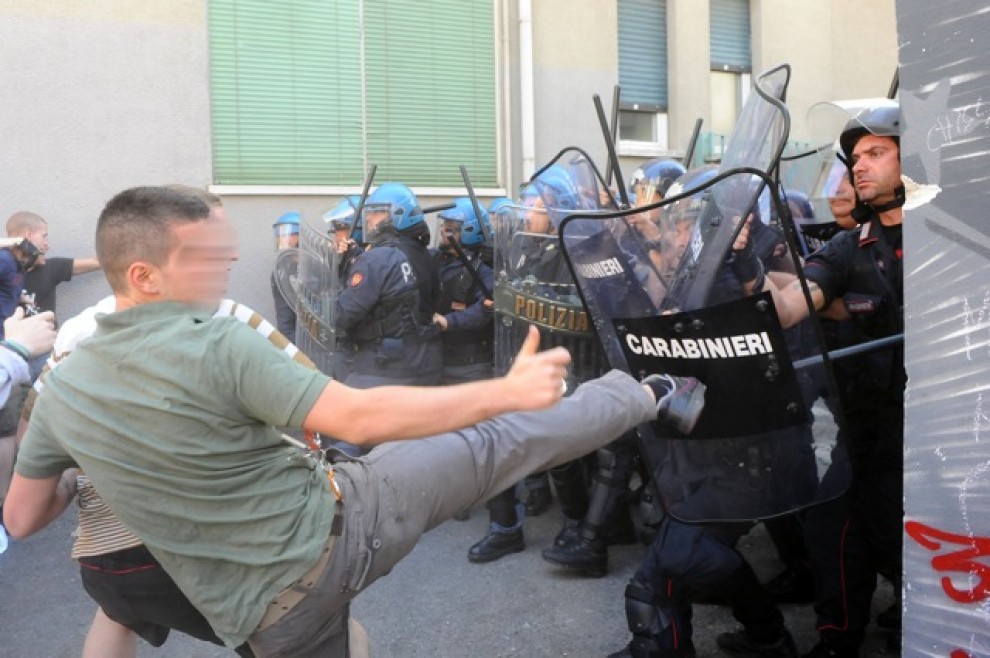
290	597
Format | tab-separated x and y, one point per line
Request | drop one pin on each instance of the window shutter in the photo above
729	36
643	53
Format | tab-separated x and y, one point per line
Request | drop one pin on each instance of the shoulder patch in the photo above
356	279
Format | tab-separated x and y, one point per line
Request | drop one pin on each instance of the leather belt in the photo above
288	598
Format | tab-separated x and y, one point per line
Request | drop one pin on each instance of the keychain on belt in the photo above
317	456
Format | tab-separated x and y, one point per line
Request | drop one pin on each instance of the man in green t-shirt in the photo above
171	414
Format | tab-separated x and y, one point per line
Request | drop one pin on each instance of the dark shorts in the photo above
134	591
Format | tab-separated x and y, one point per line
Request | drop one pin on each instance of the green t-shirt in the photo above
169	411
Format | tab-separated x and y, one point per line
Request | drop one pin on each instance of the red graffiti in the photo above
962	561
959	653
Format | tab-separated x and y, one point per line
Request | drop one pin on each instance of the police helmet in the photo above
399	201
341	216
656	177
559	192
799	205
285	227
463	213
498	203
883	121
691	180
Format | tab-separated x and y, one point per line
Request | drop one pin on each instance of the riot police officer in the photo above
286	229
858	276
583	548
684	559
385	338
463	310
340	218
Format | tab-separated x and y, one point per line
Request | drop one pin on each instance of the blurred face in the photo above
39	238
876	169
537	218
286	236
449	231
842	203
646	221
373	218
198	269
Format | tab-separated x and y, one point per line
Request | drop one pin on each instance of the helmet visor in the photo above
286	236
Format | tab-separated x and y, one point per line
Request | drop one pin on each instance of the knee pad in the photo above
647	612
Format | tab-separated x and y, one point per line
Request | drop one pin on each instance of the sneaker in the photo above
497	544
680	400
824	650
740	644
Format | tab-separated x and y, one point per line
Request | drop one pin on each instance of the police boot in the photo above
499	542
583	552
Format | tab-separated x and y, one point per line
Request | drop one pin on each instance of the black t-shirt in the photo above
41	281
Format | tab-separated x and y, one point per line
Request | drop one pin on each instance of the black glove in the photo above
747	266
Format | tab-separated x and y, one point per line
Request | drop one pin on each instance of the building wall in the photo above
575	52
109	94
98	96
840	49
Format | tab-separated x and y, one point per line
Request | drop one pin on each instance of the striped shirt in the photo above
100	531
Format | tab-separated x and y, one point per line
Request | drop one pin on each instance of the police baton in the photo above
613	134
475	204
613	159
364	197
461	256
692	143
878	345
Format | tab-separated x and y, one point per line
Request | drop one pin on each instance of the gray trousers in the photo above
400	490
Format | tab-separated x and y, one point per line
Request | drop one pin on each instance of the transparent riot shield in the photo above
533	286
767	442
317	286
286	276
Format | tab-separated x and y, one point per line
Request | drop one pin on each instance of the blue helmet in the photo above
655	177
498	203
285	229
399	201
341	216
290	220
472	233
689	209
799	205
558	190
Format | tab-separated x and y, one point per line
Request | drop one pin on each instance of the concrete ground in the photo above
435	604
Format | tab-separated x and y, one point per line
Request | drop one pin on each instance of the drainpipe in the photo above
527	91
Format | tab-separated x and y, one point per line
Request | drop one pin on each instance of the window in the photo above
643	71
312	92
731	63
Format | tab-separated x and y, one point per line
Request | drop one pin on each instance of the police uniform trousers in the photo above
858	535
402	489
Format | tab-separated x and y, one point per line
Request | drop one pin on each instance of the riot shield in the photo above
767	442
317	287
532	283
286	276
